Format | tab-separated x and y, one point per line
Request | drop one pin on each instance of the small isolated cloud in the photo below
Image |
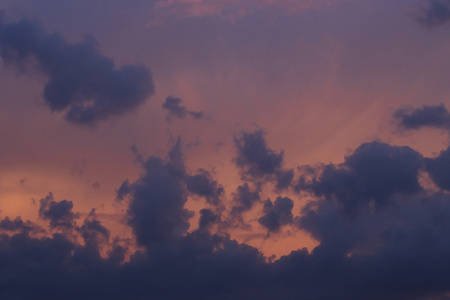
172	105
436	116
434	13
82	82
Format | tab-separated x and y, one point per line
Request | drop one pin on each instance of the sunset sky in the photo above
225	149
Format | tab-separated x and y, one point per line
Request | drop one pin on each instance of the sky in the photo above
225	149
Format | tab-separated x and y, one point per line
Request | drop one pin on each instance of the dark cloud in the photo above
172	105
399	252
426	116
371	175
434	13
391	254
254	157
123	190
244	199
284	179
59	213
92	230
156	211
202	184
259	163
81	81
207	218
16	225
438	169
277	214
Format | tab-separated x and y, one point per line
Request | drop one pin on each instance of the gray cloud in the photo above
277	214
59	213
172	105
81	81
426	116
254	157
398	252
438	168
202	184
260	163
370	176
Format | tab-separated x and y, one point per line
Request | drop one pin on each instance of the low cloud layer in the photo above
394	246
82	82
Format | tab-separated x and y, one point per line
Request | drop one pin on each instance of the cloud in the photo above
398	252
59	213
16	225
260	163
254	157
92	230
172	105
203	185
426	116
207	218
371	175
390	254
244	199
434	13
156	210
438	168
277	214
81	81
284	179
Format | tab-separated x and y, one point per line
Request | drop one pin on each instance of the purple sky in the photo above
224	149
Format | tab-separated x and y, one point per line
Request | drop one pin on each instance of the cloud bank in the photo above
381	236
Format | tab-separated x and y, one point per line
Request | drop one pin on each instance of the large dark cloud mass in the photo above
394	246
81	81
369	177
